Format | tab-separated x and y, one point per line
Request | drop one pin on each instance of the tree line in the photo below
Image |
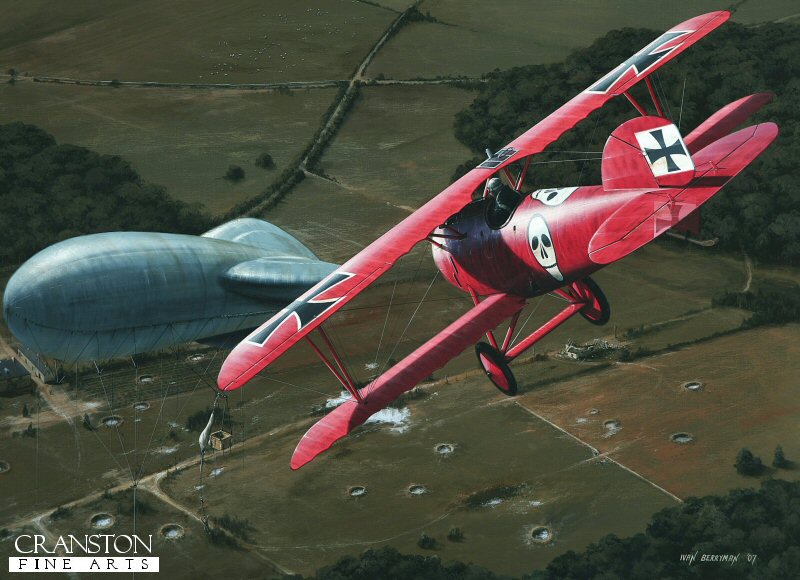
763	523
759	211
50	192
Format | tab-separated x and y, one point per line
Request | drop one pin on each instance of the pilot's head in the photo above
494	186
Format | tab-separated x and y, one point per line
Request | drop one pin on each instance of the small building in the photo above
221	440
36	365
596	348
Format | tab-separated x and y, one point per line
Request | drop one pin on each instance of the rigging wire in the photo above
565	160
524	324
116	426
680	113
570	152
591	140
203	447
402	335
385	322
663	95
269	378
155	424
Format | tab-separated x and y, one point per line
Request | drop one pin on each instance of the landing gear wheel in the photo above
494	364
597	311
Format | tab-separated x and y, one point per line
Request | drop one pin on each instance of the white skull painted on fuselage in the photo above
541	243
553	196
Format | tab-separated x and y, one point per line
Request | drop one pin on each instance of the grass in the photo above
181	139
191	41
397	145
175	556
495	443
747	400
394	151
483	36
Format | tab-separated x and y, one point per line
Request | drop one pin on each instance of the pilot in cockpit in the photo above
503	200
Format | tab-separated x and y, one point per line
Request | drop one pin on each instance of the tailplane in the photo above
646	153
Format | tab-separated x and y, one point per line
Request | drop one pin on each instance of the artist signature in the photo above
729	559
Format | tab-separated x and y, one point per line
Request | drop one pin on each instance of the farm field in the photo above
473	37
181	139
543	459
397	143
188	42
560	486
746	399
177	556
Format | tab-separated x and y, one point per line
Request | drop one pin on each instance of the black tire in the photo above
499	372
602	301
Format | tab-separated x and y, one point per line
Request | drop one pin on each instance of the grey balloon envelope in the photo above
115	294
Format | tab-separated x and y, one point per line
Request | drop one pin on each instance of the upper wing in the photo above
403	376
618	81
286	328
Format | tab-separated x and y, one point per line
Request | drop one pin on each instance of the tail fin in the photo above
646	153
651	213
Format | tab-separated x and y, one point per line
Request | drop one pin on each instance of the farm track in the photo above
329	125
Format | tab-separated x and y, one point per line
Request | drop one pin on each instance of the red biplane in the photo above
504	247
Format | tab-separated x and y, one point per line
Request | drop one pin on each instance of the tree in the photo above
265	161
235	173
747	463
426	542
51	192
779	460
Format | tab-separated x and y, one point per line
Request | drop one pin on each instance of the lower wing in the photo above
407	373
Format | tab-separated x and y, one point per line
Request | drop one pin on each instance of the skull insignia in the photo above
541	243
553	196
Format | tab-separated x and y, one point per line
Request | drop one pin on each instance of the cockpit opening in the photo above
502	202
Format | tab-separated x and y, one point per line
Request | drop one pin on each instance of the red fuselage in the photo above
543	246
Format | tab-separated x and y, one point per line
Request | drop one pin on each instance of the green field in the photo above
189	41
181	139
747	400
176	556
397	144
394	151
476	37
305	519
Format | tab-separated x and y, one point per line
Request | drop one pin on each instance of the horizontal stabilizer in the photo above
725	120
403	376
646	153
280	279
650	214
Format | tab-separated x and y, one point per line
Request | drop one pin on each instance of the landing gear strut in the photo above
596	309
584	297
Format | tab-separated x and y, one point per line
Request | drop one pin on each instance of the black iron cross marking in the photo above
499	157
640	62
305	309
663	150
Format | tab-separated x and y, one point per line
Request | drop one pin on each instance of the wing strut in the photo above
476	300
656	102
342	375
635	104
